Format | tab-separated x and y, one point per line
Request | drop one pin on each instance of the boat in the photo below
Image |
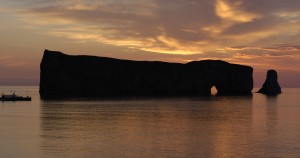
14	97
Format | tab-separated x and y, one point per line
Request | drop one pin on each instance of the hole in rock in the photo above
213	90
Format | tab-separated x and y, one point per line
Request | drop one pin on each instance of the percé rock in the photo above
66	76
271	85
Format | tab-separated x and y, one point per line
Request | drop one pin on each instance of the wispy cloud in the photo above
236	30
10	62
233	11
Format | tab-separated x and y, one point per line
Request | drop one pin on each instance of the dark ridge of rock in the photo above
271	85
66	76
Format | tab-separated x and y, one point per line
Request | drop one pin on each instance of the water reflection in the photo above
257	126
271	114
232	131
271	124
186	127
208	127
274	131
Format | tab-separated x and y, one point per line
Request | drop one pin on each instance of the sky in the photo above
264	34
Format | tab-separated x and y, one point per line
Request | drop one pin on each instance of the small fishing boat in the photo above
14	97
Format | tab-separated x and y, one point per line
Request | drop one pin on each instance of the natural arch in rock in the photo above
213	90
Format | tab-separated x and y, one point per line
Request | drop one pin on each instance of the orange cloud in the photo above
196	30
233	12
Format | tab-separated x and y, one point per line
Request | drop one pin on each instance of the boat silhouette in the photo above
14	97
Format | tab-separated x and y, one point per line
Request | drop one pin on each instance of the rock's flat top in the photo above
89	76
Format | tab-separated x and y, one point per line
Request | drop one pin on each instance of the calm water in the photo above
256	126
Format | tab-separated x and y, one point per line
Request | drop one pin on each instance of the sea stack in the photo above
67	76
271	85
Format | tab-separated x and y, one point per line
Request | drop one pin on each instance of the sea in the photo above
230	126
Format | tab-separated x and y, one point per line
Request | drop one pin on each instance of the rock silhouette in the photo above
66	76
271	85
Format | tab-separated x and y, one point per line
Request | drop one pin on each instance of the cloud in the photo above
10	62
279	47
119	25
232	11
241	31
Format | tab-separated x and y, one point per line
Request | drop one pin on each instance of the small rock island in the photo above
66	76
271	85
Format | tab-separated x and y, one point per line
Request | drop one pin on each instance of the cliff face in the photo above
88	76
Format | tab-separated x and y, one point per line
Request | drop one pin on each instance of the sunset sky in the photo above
264	34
